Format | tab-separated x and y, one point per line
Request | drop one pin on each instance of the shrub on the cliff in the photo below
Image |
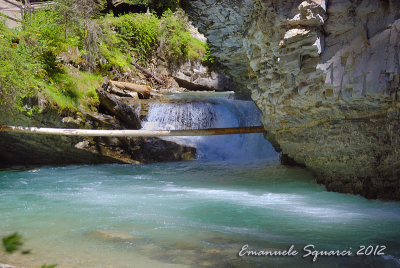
45	37
77	18
180	44
142	34
137	33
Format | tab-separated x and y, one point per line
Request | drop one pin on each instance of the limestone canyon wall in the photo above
326	76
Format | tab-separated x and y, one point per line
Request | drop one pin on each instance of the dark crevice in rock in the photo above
288	161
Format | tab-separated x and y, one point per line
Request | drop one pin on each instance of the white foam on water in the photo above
292	203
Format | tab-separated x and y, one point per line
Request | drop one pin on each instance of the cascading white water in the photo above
199	111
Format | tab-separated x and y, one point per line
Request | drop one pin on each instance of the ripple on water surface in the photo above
189	214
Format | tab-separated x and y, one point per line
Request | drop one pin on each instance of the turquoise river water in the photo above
196	214
193	214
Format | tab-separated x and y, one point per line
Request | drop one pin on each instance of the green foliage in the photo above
160	6
179	42
137	33
208	58
49	266
29	64
137	2
141	34
114	57
77	19
45	37
12	242
17	68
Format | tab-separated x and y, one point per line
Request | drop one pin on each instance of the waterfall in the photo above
199	111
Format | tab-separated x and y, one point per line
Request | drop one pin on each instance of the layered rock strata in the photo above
326	75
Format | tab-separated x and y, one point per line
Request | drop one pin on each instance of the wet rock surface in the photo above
326	75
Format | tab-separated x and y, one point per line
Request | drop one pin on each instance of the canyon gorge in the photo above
326	76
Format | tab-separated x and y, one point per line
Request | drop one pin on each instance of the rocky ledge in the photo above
119	109
326	75
123	105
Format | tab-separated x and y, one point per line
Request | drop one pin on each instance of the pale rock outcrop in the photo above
325	75
193	75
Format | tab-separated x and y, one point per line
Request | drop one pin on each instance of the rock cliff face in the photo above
326	75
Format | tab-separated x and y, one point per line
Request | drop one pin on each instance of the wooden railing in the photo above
23	7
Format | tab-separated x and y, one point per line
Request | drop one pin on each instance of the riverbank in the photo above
72	81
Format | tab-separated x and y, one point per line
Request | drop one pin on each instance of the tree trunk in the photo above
143	90
147	73
133	133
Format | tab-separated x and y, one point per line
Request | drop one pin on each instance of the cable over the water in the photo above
132	133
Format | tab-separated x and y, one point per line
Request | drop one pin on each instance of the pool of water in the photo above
188	214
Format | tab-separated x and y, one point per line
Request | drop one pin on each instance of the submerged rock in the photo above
115	235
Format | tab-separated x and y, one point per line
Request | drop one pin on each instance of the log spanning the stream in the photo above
132	133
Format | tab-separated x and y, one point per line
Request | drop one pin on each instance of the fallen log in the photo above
147	73
143	90
132	133
140	89
123	93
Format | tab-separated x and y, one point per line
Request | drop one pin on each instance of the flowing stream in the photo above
192	214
